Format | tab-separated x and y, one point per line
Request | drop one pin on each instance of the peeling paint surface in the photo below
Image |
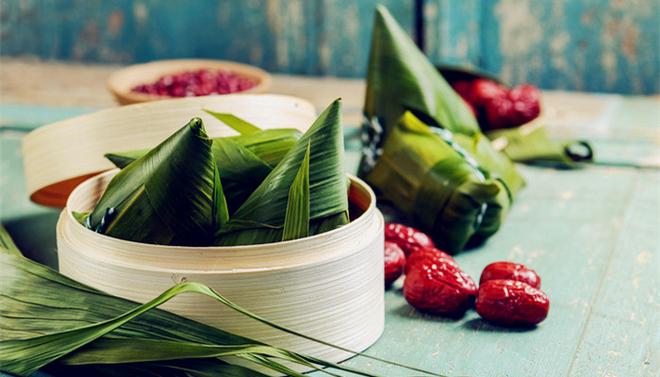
590	45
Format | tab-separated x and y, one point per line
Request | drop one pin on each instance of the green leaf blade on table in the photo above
141	195
261	218
90	315
530	143
237	124
296	219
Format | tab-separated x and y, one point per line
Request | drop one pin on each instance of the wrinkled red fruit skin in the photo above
511	303
484	91
439	288
408	238
395	261
510	271
201	82
429	254
498	107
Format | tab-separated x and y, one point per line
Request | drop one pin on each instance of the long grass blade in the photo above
23	355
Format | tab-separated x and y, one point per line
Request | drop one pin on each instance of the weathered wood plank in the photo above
453	31
344	33
274	34
622	337
595	45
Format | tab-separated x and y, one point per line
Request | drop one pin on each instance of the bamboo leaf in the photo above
400	77
90	315
531	143
434	180
260	219
239	125
243	161
296	220
138	205
269	145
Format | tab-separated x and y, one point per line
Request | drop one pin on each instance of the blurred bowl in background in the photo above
122	84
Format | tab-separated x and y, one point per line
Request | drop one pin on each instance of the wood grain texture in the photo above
592	45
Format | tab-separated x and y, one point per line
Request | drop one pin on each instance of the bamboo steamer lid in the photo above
59	156
328	286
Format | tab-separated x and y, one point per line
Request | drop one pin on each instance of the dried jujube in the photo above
510	271
395	260
439	287
511	303
429	254
408	238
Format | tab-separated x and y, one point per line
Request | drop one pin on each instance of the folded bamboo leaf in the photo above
243	161
296	219
530	143
241	171
239	125
260	219
50	317
269	145
137	204
432	179
400	77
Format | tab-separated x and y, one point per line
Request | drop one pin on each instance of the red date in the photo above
439	288
510	271
430	254
511	303
395	260
408	238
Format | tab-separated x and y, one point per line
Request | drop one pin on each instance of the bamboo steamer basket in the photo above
329	286
59	156
121	83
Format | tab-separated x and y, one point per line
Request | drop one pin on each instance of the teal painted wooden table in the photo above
593	235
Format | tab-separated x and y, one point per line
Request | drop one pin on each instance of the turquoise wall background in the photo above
592	45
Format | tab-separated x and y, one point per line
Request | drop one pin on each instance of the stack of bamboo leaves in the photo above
51	322
261	186
423	148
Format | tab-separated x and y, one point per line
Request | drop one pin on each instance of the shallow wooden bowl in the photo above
121	83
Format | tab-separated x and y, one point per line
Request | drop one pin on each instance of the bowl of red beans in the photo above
165	79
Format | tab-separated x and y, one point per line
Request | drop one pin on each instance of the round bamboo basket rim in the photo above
335	235
61	155
121	83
